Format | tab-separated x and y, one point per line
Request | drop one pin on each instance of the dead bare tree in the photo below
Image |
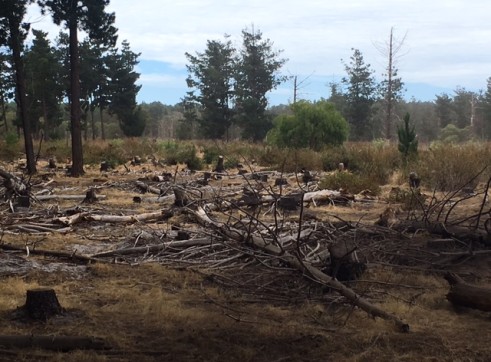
392	85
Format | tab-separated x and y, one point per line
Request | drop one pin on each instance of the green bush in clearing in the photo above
349	182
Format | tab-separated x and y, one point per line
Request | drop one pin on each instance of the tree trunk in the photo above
4	113
103	134
42	303
467	295
16	46
77	151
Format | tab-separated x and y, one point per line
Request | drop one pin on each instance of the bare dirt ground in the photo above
217	303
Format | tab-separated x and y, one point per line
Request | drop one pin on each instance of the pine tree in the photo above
408	143
360	96
89	16
210	79
13	33
256	75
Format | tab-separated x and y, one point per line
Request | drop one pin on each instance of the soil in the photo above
182	306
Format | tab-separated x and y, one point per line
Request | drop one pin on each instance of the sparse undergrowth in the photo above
154	312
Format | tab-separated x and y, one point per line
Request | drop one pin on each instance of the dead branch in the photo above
303	266
86	216
155	248
52	253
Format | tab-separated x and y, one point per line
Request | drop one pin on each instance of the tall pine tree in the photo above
210	79
360	96
89	16
257	74
13	33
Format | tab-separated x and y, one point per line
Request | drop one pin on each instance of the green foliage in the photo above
408	144
188	156
123	90
133	123
453	134
256	74
44	89
11	139
376	161
312	125
349	182
360	96
210	154
409	199
211	82
227	86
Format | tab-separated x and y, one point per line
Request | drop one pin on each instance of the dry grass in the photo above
150	312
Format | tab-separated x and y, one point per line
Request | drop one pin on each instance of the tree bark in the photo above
76	129
42	303
467	295
16	46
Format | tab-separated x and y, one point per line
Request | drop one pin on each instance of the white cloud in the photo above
447	43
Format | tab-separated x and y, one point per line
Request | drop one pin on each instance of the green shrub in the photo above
349	182
210	154
188	156
448	167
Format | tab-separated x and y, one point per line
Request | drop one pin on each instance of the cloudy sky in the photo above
446	43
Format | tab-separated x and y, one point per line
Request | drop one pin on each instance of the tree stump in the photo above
345	264
181	198
104	166
90	196
52	163
42	303
280	181
220	167
290	202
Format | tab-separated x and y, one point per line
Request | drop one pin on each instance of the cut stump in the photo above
42	303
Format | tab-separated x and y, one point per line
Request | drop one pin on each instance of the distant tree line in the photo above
88	75
79	85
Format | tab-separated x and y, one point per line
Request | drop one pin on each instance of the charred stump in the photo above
90	196
42	303
289	202
181	199
219	168
345	264
280	181
52	163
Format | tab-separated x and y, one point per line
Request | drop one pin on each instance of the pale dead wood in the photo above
66	197
86	216
303	266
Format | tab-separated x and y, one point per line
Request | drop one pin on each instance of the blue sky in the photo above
446	43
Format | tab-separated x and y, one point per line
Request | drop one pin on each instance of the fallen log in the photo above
55	343
467	295
67	197
468	235
70	255
147	188
85	216
303	266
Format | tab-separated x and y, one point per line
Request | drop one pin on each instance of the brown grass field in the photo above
151	310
